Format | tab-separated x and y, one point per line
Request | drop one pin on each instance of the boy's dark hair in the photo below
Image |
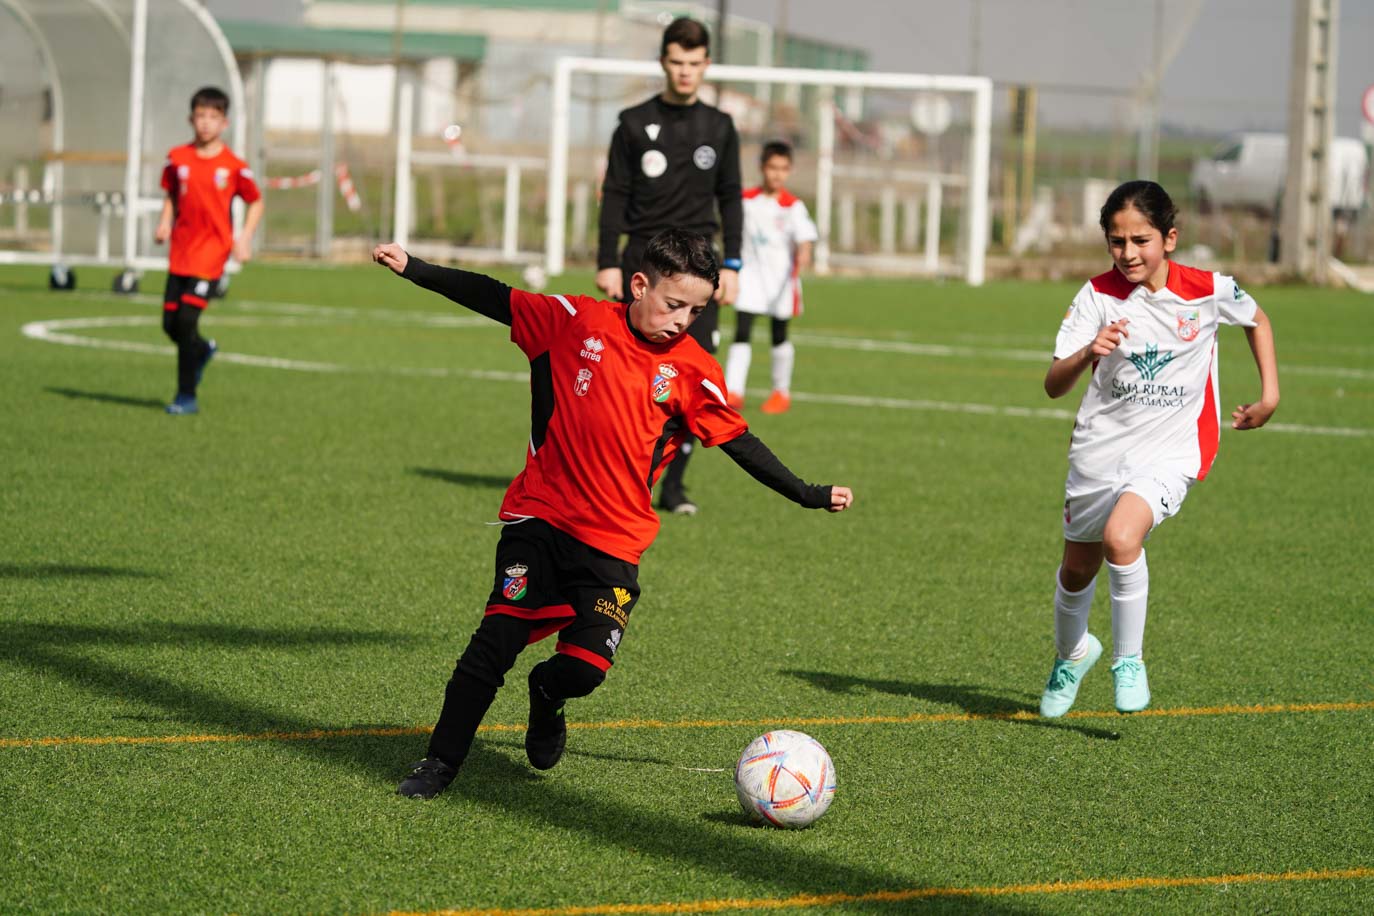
1150	199
210	97
775	148
686	33
676	253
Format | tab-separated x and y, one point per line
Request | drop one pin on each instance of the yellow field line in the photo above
317	734
801	901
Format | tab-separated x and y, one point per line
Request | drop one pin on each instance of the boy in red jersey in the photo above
201	179
615	390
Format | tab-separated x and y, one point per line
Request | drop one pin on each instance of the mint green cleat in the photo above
1132	688
1065	676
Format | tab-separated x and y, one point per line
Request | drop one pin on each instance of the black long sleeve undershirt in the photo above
749	452
478	292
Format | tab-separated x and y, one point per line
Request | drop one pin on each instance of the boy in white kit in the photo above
778	233
1147	429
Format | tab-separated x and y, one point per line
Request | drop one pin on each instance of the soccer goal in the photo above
894	165
94	94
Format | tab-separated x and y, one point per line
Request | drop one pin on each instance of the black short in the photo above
183	290
560	585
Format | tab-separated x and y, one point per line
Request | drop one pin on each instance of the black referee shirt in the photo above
669	166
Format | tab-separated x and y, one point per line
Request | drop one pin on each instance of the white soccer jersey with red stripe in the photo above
773	228
1155	398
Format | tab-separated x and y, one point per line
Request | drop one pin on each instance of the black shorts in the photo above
560	585
183	290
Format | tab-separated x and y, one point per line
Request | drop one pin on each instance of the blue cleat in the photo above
1132	688
1062	688
205	361
183	404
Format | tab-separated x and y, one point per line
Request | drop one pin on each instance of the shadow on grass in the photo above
69	652
106	398
716	842
462	478
490	779
973	700
42	571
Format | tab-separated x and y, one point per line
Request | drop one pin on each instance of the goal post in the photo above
974	221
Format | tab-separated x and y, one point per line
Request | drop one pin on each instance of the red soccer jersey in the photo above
609	412
202	190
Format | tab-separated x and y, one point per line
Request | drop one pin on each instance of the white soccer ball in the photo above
534	278
785	778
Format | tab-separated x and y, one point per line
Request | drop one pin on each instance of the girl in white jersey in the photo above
1147	428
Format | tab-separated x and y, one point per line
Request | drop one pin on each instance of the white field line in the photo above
1024	356
56	331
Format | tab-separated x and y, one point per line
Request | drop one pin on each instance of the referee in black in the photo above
673	160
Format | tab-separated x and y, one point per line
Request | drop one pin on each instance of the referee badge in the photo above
704	157
516	582
653	163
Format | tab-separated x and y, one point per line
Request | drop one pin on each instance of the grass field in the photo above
223	637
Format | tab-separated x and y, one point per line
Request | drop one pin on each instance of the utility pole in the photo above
719	56
1305	245
1147	140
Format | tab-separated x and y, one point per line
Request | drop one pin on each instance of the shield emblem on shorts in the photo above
1188	324
515	582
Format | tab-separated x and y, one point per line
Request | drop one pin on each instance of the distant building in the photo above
488	65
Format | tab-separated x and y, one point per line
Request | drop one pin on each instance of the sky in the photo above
1231	71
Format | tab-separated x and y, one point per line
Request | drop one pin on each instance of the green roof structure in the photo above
250	39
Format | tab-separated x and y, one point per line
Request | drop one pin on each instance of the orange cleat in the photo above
735	400
778	402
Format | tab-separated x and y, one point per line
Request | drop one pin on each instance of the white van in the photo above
1248	171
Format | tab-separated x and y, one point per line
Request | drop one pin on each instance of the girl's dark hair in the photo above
775	148
676	253
686	33
210	97
1149	198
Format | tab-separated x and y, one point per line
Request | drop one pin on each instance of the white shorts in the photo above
1088	502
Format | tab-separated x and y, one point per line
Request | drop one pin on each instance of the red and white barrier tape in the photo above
341	177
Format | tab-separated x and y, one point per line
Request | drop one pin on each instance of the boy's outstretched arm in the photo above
748	451
478	292
1261	337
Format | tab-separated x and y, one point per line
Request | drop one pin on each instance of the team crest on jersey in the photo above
653	163
582	383
516	582
1188	324
661	387
591	349
704	157
652	131
667	370
221	178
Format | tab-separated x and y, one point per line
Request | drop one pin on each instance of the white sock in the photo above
1071	619
784	355
737	368
1130	592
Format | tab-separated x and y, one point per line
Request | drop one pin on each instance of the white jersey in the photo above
1155	398
773	228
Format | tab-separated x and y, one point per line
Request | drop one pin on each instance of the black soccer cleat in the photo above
427	779
547	733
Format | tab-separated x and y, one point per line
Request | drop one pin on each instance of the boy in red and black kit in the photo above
615	389
201	179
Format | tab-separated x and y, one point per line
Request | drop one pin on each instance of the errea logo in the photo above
591	349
